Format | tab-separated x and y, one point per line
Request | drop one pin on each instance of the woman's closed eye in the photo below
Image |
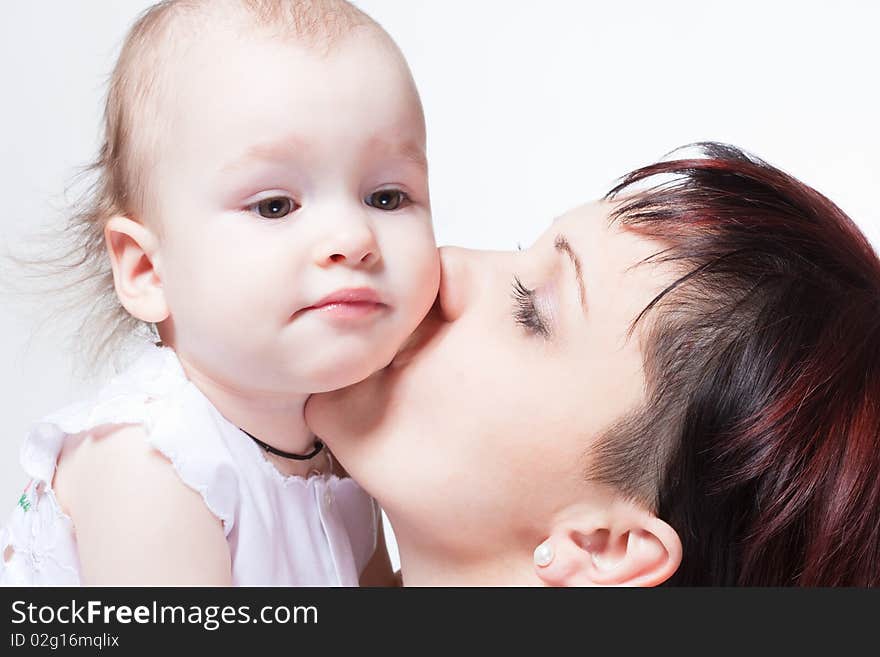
524	311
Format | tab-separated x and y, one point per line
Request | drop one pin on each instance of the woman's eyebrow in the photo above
562	245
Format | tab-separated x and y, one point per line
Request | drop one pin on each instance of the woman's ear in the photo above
133	251
625	546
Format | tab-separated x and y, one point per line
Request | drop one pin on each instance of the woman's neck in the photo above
422	566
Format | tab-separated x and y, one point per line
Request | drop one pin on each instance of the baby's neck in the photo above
277	420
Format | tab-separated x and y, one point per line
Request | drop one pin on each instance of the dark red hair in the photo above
761	433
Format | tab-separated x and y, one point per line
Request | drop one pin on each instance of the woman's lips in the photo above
418	339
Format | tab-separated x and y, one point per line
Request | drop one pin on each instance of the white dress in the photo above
282	530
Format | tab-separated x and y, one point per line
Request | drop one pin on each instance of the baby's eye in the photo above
276	207
387	199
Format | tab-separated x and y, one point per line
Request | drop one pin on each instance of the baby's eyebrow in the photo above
274	151
282	150
410	151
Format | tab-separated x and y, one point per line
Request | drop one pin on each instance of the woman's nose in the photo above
352	243
463	272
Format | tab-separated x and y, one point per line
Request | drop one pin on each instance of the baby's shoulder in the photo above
125	497
148	433
87	456
113	465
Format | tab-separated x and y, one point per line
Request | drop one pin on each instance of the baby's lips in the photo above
352	295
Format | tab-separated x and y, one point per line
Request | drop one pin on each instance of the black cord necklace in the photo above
319	445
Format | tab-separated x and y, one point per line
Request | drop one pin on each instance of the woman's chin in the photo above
348	413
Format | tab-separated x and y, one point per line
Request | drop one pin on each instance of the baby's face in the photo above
287	177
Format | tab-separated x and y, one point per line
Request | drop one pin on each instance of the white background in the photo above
532	108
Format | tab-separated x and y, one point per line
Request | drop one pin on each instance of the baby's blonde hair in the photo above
119	176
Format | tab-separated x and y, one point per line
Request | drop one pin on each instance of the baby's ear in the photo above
623	546
133	251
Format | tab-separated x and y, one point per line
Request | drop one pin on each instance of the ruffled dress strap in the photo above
155	393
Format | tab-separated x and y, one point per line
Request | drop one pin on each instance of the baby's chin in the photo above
345	369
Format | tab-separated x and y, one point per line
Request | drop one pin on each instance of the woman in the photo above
684	388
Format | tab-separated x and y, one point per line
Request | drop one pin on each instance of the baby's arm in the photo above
378	571
136	522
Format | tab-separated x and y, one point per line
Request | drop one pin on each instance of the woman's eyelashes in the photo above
524	311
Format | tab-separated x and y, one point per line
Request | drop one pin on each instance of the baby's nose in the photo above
354	245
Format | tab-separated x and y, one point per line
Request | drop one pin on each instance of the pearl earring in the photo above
543	554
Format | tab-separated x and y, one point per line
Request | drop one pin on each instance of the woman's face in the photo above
480	429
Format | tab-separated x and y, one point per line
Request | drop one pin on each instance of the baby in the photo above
263	200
